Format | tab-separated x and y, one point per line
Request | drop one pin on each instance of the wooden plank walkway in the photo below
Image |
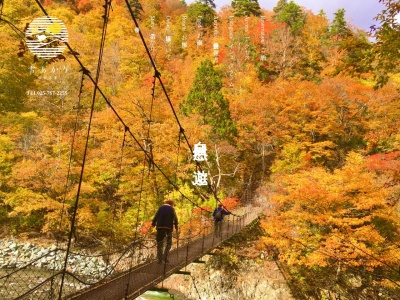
132	284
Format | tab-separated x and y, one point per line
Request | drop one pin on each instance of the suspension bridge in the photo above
133	269
133	283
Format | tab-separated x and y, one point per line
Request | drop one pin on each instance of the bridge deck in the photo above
135	282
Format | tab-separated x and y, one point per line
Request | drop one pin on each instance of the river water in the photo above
15	285
161	296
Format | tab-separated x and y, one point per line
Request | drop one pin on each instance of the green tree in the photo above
205	99
357	60
246	8
291	14
136	7
339	28
279	6
201	9
386	49
314	38
208	2
353	47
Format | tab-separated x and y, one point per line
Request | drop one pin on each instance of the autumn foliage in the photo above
287	104
342	219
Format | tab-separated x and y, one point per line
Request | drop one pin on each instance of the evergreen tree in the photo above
207	2
322	13
136	7
357	60
201	9
279	6
291	14
205	98
386	50
339	26
246	8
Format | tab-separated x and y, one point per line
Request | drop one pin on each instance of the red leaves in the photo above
202	210
385	161
231	203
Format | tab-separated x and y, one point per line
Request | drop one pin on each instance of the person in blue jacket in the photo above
165	220
218	215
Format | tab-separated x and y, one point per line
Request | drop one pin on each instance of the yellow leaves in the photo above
29	116
86	219
329	215
25	201
391	254
322	151
323	120
292	258
333	242
293	158
86	191
354	159
347	222
316	258
6	150
390	284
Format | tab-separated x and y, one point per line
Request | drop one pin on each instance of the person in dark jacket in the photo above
165	220
218	215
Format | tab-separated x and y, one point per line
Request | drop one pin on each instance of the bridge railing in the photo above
41	278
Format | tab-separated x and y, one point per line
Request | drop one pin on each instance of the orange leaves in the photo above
325	121
145	228
268	28
323	215
85	5
231	203
202	210
385	161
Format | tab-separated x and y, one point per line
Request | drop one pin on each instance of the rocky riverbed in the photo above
16	254
253	279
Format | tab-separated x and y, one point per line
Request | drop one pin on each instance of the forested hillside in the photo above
289	103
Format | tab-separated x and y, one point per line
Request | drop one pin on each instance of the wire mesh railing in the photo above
40	278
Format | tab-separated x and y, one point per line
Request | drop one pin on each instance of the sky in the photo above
358	12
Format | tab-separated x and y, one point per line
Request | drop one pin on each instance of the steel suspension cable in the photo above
158	76
115	202
19	33
150	159
177	156
195	286
70	161
333	256
77	107
88	74
210	288
97	89
149	145
107	8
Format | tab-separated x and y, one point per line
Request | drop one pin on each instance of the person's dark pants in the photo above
161	234
217	227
